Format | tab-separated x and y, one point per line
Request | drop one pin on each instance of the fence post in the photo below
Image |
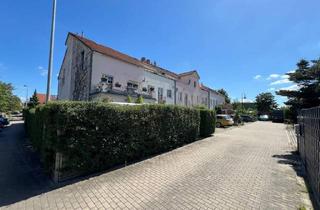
58	162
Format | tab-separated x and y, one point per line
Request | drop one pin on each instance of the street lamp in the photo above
53	23
26	102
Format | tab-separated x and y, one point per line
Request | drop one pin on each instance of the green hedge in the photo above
95	136
207	122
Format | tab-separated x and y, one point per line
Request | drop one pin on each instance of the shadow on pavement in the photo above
21	173
293	159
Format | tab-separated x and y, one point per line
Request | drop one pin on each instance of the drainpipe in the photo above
208	99
175	92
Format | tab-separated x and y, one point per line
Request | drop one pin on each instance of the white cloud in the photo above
277	76
285	76
271	89
43	71
291	87
257	77
281	81
273	76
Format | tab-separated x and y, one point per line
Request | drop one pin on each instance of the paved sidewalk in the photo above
21	175
243	168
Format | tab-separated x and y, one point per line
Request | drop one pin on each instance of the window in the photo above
194	84
169	93
150	89
191	99
180	96
132	85
160	94
186	99
189	82
82	60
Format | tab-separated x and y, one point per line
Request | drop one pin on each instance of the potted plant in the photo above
118	85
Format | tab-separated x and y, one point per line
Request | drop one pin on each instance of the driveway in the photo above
250	167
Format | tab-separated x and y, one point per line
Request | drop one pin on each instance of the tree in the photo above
34	101
265	103
307	92
225	94
15	103
8	101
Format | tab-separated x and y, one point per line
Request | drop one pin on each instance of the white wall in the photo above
158	81
123	72
217	99
64	80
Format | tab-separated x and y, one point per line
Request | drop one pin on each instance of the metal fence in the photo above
308	134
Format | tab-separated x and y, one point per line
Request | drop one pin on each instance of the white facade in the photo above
91	71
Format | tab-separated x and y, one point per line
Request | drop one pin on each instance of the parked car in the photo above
4	121
247	118
224	120
263	117
277	116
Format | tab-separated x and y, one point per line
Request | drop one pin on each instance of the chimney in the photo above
143	59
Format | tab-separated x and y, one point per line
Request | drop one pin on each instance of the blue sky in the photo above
233	44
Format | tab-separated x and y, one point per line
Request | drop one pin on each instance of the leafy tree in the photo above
265	103
307	93
218	109
225	94
8	101
15	103
34	101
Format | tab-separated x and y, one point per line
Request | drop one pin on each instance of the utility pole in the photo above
53	23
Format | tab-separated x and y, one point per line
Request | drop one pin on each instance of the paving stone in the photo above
240	168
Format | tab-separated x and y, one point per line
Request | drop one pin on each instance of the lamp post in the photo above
53	23
26	102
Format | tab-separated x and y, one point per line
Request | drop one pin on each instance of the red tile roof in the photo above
189	73
126	58
42	98
123	57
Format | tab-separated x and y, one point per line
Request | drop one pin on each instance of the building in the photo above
42	98
91	71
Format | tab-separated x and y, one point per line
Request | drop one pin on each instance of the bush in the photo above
95	136
207	122
139	100
129	99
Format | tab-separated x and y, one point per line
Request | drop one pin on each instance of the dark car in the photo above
247	118
277	116
4	121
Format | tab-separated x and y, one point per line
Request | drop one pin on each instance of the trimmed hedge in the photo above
94	136
207	122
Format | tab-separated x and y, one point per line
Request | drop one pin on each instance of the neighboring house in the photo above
42	98
94	72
